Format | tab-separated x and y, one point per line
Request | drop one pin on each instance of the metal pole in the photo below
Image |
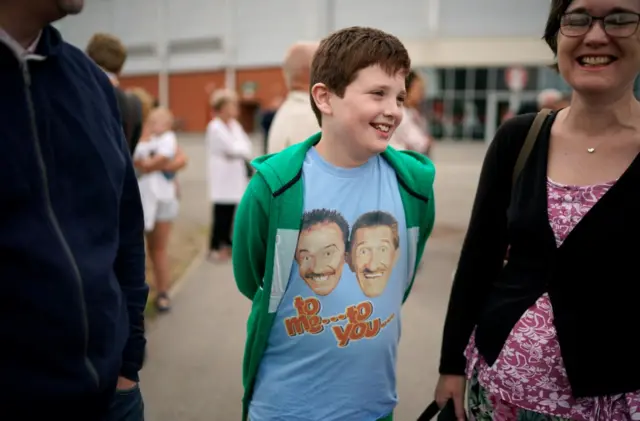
162	11
433	17
330	16
230	47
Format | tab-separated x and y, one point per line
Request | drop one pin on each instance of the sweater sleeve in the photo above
485	244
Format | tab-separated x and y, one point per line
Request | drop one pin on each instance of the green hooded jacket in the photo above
266	230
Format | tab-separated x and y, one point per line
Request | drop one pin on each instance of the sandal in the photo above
163	303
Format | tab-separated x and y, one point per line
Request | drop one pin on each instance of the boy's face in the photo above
370	109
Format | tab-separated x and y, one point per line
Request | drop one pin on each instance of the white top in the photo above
412	133
228	149
155	184
293	123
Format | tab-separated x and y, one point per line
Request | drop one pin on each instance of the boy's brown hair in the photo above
344	53
107	51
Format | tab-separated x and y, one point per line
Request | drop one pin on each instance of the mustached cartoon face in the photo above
321	255
373	256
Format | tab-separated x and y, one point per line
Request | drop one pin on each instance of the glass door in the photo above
502	105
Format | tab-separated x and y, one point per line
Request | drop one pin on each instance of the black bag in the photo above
448	413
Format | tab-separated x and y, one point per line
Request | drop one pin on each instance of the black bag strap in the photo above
431	411
529	142
447	413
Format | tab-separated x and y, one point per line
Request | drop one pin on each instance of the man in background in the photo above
72	259
294	121
550	98
110	54
547	98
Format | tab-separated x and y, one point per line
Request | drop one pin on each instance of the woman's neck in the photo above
337	152
599	115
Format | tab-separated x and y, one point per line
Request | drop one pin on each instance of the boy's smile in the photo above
384	130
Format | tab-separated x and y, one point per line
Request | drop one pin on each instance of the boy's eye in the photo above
379	93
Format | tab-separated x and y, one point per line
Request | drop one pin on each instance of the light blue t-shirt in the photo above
331	354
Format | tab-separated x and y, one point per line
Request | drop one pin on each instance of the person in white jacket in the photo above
229	151
295	121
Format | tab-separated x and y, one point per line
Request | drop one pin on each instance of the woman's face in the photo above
597	56
230	109
415	94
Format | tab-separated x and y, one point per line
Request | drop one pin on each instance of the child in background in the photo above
156	149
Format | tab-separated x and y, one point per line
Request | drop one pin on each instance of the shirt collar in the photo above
15	46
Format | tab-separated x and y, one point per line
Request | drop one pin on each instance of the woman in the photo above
550	336
229	151
412	132
157	158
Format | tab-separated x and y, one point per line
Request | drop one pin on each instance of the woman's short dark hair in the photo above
410	78
557	9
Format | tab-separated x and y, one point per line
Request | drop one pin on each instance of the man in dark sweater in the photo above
71	230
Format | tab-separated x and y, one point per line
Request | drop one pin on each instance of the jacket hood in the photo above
415	171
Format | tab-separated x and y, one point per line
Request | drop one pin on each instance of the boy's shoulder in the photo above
284	168
413	169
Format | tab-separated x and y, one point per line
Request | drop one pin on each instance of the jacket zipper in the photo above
54	220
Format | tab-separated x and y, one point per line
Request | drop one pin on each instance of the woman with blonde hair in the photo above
229	149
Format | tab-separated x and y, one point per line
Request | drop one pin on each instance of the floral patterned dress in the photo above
528	380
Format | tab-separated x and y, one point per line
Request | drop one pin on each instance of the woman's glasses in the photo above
618	25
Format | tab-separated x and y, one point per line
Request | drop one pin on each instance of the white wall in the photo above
492	18
208	34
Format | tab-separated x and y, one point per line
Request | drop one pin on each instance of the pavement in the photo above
194	364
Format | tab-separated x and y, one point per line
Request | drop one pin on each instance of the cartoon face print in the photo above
374	251
320	253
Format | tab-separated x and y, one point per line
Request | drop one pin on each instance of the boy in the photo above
324	329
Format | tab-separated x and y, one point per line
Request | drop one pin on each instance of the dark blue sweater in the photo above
72	284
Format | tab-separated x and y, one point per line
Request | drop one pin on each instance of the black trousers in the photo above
222	217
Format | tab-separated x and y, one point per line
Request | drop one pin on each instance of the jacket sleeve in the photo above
228	144
129	268
484	247
129	265
250	234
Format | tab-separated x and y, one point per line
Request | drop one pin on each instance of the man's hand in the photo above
125	384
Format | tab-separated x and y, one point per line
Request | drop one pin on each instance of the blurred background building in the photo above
482	59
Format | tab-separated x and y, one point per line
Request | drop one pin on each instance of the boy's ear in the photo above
322	98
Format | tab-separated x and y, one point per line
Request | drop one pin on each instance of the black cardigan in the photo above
592	278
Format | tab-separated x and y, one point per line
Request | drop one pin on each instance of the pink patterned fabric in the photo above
529	372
